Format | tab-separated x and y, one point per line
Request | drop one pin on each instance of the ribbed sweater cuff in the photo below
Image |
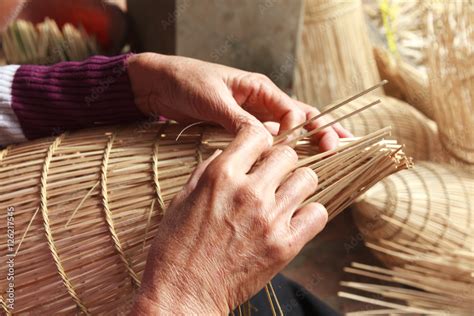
70	95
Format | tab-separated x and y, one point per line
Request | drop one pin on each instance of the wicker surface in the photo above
335	56
433	200
405	82
451	73
87	205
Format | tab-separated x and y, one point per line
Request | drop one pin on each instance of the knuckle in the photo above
249	196
288	152
278	251
306	174
260	223
261	77
261	135
219	172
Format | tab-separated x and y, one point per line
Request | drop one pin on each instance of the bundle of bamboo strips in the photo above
98	196
430	279
415	131
451	73
45	43
335	56
431	205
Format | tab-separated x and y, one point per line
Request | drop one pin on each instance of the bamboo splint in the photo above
87	204
429	279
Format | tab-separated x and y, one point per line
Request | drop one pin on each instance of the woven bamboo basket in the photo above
431	205
451	73
335	56
405	81
415	131
86	205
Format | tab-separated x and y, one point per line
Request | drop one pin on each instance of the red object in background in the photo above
103	20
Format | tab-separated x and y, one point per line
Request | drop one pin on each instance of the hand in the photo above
231	229
188	90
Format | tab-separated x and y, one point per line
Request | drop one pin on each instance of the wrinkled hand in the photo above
188	90
231	229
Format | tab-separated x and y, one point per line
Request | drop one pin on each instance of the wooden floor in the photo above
319	267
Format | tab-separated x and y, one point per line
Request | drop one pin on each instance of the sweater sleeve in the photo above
47	100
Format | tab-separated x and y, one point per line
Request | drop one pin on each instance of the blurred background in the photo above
407	246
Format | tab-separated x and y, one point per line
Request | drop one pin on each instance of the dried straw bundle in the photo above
45	43
440	279
416	132
402	24
430	206
335	56
98	197
451	73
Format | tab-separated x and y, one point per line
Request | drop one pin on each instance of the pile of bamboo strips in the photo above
335	55
431	279
431	205
87	205
451	73
45	43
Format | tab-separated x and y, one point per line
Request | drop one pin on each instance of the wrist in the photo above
147	73
170	302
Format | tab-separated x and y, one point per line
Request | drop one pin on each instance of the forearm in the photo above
47	100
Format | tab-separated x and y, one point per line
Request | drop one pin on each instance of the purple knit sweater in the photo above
39	101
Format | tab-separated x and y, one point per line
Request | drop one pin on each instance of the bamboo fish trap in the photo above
335	56
418	134
405	81
431	280
451	72
431	204
86	205
45	43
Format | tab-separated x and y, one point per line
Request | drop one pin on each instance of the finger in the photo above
247	147
298	187
231	115
272	127
197	173
307	222
341	131
327	138
275	167
262	97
